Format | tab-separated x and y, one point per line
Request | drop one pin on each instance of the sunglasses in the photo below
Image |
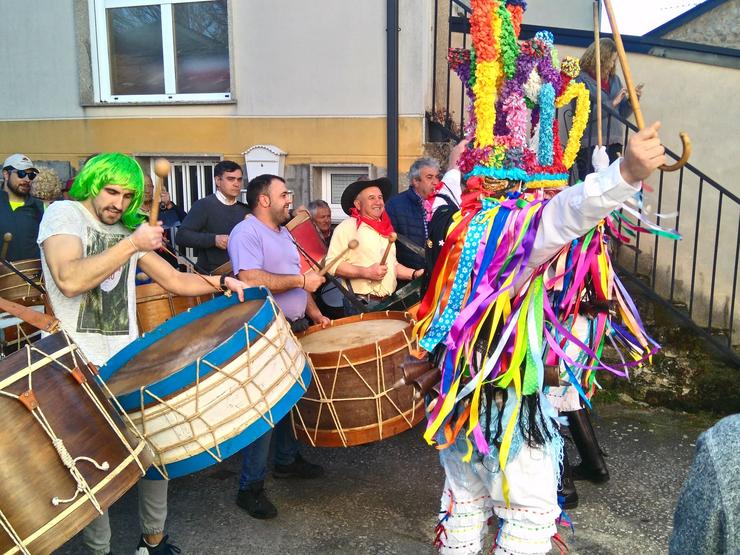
31	175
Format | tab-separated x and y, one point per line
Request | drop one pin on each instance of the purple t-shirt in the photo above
254	246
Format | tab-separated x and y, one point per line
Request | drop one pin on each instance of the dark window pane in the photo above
202	47
210	186
339	182
135	37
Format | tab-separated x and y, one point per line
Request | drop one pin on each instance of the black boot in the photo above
567	490
255	502
592	467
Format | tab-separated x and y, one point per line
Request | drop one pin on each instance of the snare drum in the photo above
66	454
209	381
356	362
155	305
306	234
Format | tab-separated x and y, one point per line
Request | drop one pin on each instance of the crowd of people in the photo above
92	238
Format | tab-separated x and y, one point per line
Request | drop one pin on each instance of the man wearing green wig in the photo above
90	247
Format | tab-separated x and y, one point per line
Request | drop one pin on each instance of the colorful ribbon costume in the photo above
519	267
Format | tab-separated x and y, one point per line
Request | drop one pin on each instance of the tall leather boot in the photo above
567	490
592	466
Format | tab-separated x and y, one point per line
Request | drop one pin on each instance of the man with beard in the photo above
20	213
207	226
262	251
90	247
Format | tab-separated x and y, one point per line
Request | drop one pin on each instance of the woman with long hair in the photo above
613	96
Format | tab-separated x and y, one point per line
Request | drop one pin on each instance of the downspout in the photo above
392	30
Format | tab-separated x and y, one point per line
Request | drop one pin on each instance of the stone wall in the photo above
718	27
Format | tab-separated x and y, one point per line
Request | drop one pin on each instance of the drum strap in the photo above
346	291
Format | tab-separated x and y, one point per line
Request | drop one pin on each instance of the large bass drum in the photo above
66	454
356	362
208	382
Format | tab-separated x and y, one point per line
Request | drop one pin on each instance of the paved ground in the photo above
383	498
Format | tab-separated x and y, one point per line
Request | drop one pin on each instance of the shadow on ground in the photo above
383	498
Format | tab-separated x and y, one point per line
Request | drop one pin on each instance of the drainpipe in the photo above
392	92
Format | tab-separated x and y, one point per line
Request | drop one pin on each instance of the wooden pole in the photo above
597	46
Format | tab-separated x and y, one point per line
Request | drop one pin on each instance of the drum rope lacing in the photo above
178	405
377	396
15	538
70	462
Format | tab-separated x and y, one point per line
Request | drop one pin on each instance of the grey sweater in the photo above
707	519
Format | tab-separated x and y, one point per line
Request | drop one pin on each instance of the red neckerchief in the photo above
428	202
383	226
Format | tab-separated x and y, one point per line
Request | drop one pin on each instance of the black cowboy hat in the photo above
350	193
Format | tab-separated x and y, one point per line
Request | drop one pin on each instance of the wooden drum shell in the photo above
14	288
350	400
155	305
32	472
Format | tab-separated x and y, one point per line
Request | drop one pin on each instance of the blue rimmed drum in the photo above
209	381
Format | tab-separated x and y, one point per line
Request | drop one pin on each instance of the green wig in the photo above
112	168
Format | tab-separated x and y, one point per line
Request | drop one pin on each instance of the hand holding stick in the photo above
391	239
7	238
353	244
161	168
633	92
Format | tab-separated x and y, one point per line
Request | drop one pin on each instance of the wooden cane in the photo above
597	47
633	93
7	238
353	244
162	169
391	239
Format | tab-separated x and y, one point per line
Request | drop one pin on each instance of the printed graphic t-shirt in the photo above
103	320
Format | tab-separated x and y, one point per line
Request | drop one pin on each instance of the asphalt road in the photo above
383	498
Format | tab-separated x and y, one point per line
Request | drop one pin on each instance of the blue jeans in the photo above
256	454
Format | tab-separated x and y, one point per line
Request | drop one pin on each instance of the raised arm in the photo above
75	274
577	209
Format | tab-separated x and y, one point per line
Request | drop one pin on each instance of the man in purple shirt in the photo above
261	248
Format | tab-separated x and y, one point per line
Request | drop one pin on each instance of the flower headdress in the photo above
514	89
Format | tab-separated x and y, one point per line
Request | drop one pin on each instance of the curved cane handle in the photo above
681	162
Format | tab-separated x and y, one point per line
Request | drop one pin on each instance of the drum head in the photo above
353	334
181	347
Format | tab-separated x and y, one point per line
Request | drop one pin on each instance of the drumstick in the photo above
7	238
353	244
161	168
391	239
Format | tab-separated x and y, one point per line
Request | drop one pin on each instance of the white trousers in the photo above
472	491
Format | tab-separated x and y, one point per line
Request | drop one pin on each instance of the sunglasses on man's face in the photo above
31	175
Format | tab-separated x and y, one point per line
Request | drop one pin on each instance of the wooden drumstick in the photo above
162	169
353	244
391	239
7	238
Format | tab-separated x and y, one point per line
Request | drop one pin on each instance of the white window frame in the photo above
337	214
100	56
